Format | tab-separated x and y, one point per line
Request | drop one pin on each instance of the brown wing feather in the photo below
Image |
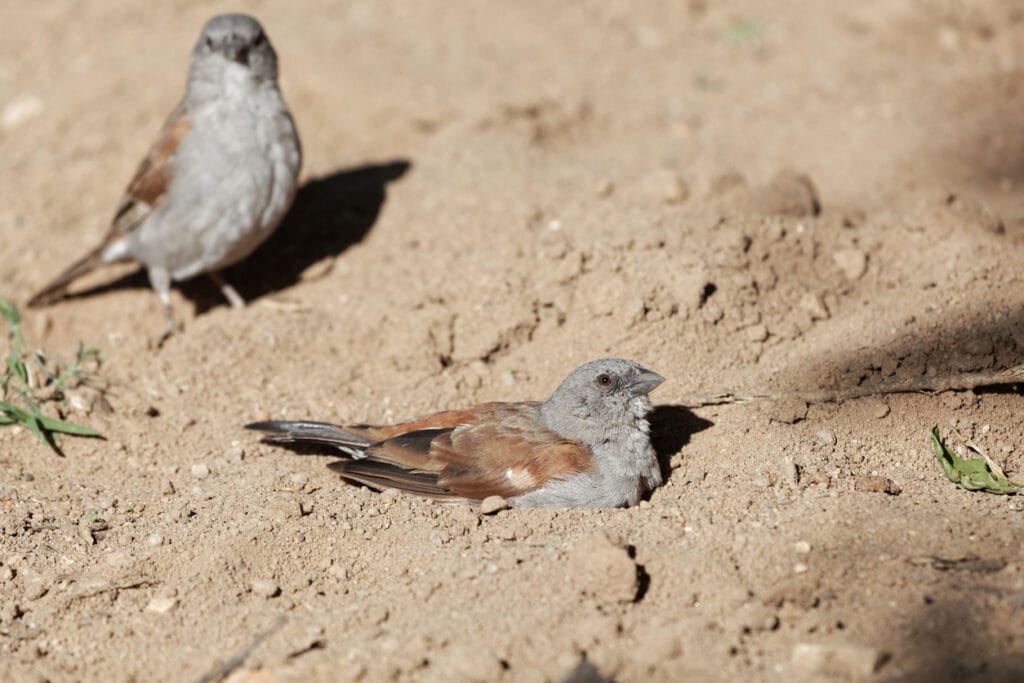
149	186
145	192
496	449
443	420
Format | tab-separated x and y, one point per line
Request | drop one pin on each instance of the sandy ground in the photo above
740	195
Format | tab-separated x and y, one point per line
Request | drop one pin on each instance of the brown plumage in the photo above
494	449
587	445
145	193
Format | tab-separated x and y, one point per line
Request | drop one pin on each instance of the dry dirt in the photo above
493	194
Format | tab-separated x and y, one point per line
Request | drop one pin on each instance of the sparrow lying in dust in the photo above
219	177
587	446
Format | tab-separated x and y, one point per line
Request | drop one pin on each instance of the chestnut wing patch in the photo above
148	188
507	458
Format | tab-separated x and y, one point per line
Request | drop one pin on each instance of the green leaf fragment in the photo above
973	474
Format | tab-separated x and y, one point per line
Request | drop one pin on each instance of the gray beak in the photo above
644	383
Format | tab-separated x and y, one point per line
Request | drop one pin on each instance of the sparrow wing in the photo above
145	192
284	431
148	187
506	451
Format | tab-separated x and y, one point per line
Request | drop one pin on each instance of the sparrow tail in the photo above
58	288
283	431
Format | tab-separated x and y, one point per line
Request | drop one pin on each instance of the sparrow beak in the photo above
644	383
239	54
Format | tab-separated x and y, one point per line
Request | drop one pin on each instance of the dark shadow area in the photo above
973	341
329	215
671	429
951	640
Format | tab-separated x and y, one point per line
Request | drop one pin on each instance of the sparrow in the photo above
587	446
219	177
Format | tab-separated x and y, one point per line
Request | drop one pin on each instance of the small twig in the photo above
112	588
961	382
239	657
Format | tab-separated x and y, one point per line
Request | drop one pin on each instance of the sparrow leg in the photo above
233	297
160	281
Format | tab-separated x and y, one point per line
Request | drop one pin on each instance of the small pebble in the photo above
162	604
200	471
879	408
799	568
802	547
155	540
234	454
299	480
757	333
837	659
875	483
34	583
265	588
852	262
19	110
492	504
826	436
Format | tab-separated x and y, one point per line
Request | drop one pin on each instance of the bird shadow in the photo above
671	429
329	215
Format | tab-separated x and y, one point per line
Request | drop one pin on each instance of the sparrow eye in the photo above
604	380
209	43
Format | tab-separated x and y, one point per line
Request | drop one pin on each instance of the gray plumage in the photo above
220	176
587	445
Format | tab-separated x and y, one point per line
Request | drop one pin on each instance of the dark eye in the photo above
604	380
209	42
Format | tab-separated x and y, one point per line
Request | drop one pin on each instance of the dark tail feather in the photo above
58	288
283	431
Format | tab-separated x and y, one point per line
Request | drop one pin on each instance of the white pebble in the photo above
265	588
155	540
200	471
162	604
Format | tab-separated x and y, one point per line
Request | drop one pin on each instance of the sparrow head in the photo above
233	43
600	399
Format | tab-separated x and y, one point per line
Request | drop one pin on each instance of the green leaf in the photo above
52	424
9	312
973	474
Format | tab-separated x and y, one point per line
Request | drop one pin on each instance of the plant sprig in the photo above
28	378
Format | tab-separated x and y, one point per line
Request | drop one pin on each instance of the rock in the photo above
878	407
788	194
200	471
602	569
837	659
788	411
802	547
234	454
790	471
265	588
757	333
815	307
852	262
162	604
826	436
33	582
666	186
282	507
875	483
20	110
492	504
155	540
